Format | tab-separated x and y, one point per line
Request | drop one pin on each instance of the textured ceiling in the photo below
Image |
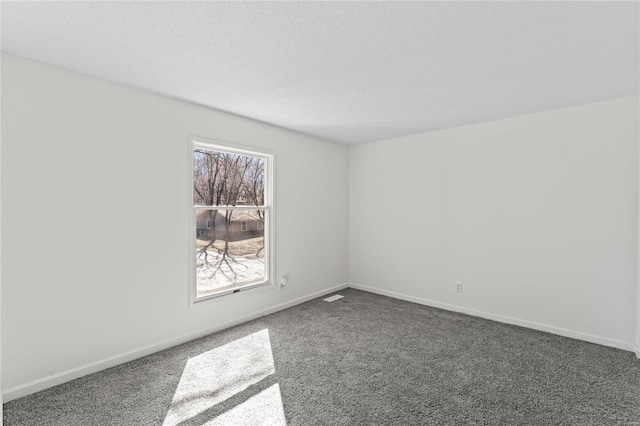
347	72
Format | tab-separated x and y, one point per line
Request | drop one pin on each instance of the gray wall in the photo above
537	215
89	160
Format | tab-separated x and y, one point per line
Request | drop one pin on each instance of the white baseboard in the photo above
504	319
74	373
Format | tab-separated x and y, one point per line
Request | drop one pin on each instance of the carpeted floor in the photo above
362	360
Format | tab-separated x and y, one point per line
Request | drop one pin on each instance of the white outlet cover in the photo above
333	298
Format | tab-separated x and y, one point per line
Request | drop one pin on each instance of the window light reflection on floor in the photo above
226	372
264	408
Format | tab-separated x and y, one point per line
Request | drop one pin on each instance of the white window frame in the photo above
243	226
269	219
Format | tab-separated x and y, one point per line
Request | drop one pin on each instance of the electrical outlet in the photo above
459	286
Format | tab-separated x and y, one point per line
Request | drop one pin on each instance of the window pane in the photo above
229	254
227	179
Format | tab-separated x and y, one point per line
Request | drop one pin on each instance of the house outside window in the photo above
232	193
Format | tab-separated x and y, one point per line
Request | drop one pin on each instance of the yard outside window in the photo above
232	211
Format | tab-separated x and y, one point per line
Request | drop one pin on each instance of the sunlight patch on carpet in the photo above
264	408
217	375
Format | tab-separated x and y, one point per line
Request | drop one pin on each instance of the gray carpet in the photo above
362	360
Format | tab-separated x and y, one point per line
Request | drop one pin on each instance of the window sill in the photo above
231	293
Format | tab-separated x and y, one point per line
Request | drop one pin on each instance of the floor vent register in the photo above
333	298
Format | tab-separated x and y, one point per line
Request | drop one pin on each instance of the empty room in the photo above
319	213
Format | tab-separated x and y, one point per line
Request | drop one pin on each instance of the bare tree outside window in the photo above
229	204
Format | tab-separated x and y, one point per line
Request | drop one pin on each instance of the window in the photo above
232	194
